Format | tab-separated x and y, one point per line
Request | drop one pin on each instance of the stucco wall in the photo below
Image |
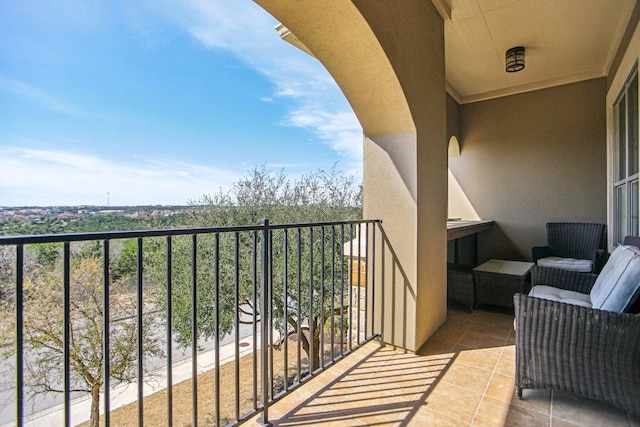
533	158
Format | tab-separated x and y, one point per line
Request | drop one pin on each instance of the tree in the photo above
320	196
44	332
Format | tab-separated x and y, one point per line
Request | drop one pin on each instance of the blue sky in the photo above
157	102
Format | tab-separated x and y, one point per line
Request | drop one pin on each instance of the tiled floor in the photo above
463	376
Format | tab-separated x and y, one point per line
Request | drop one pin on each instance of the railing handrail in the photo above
131	234
337	282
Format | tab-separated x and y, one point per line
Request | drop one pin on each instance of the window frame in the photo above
625	184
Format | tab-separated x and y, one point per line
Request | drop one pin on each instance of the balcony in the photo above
462	376
124	317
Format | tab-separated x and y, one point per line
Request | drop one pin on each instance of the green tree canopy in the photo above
316	197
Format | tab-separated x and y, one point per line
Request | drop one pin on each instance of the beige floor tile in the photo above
501	387
460	322
436	346
535	400
329	419
507	363
446	384
509	350
428	417
572	408
405	387
494	316
477	357
455	402
476	340
562	423
498	330
450	333
467	377
459	311
400	384
493	412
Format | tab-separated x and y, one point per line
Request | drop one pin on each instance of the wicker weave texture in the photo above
499	289
461	285
592	353
575	239
563	279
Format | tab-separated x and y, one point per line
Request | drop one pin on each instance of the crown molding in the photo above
443	8
530	87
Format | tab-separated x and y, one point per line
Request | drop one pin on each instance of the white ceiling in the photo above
564	40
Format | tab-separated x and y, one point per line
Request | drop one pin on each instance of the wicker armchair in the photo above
563	279
589	352
582	241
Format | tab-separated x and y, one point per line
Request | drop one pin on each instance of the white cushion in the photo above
571	264
560	295
616	286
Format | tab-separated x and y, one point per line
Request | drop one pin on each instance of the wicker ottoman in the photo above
497	281
460	285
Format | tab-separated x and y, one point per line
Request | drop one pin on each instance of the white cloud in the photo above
247	31
339	130
38	96
47	177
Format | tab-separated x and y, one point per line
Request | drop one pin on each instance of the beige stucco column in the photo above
388	58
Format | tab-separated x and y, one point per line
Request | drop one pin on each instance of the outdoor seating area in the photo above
462	376
572	246
576	331
584	338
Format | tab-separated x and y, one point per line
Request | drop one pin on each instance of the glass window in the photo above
622	138
632	131
633	208
626	161
621	216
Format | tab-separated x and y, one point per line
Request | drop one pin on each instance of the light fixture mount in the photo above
514	59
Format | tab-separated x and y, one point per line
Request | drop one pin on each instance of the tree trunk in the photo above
314	363
316	347
95	406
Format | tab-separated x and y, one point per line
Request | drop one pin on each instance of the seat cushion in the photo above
560	295
571	264
618	285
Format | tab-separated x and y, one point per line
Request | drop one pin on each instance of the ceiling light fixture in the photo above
515	59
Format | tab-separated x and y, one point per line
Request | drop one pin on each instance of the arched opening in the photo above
454	147
372	52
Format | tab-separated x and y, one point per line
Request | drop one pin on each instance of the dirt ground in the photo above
155	405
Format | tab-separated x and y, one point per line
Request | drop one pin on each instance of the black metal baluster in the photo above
237	323
299	307
264	320
358	308
342	285
333	290
373	279
270	299
140	338
194	330
169	336
366	281
285	305
19	335
322	319
255	320
106	339
311	331
351	234
66	324
217	320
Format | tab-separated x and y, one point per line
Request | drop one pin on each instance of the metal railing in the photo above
300	295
